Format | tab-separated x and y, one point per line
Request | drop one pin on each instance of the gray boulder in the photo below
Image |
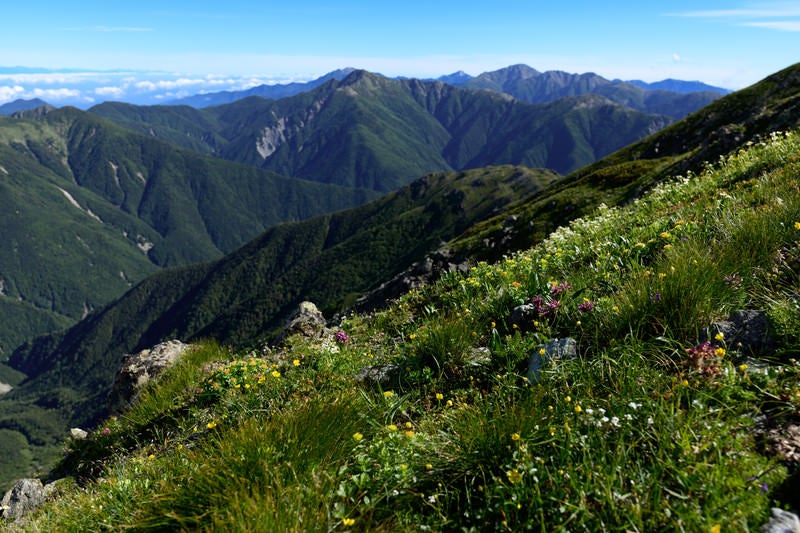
139	369
781	522
747	331
566	348
23	497
307	321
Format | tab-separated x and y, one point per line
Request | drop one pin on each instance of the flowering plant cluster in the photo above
706	357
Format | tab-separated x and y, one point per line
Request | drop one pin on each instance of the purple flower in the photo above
559	288
342	337
656	297
586	306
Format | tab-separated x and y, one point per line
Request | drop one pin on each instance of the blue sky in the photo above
180	47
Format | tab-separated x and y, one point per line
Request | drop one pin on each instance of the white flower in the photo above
650	421
615	421
634	405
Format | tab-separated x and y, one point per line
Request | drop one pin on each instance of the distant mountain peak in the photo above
21	105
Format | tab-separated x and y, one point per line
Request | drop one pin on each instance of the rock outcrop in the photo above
307	321
139	369
23	497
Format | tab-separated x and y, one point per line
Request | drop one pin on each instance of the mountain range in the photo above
332	259
148	201
373	132
675	98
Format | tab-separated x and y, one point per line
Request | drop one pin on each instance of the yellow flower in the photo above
408	433
412	336
211	425
357	436
296	362
449	403
391	427
439	396
151	456
716	528
665	235
409	425
348	521
276	374
578	409
428	466
515	436
615	309
743	367
542	351
719	336
514	476
388	394
797	225
719	352
685	383
567	399
494	325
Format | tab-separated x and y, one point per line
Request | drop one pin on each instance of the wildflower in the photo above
494	325
211	425
276	374
542	351
342	337
408	425
296	362
665	235
586	306
388	394
357	436
567	399
391	427
656	297
408	433
578	409
719	351
515	436
439	396
716	528
685	383
412	336
615	309
743	367
348	521
719	336
634	405
797	225
514	476
105	431
151	456
449	403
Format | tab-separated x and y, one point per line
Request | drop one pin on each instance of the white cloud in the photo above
113	92
781	25
56	94
8	94
677	58
110	29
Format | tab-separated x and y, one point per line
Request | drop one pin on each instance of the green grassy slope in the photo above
645	429
242	297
